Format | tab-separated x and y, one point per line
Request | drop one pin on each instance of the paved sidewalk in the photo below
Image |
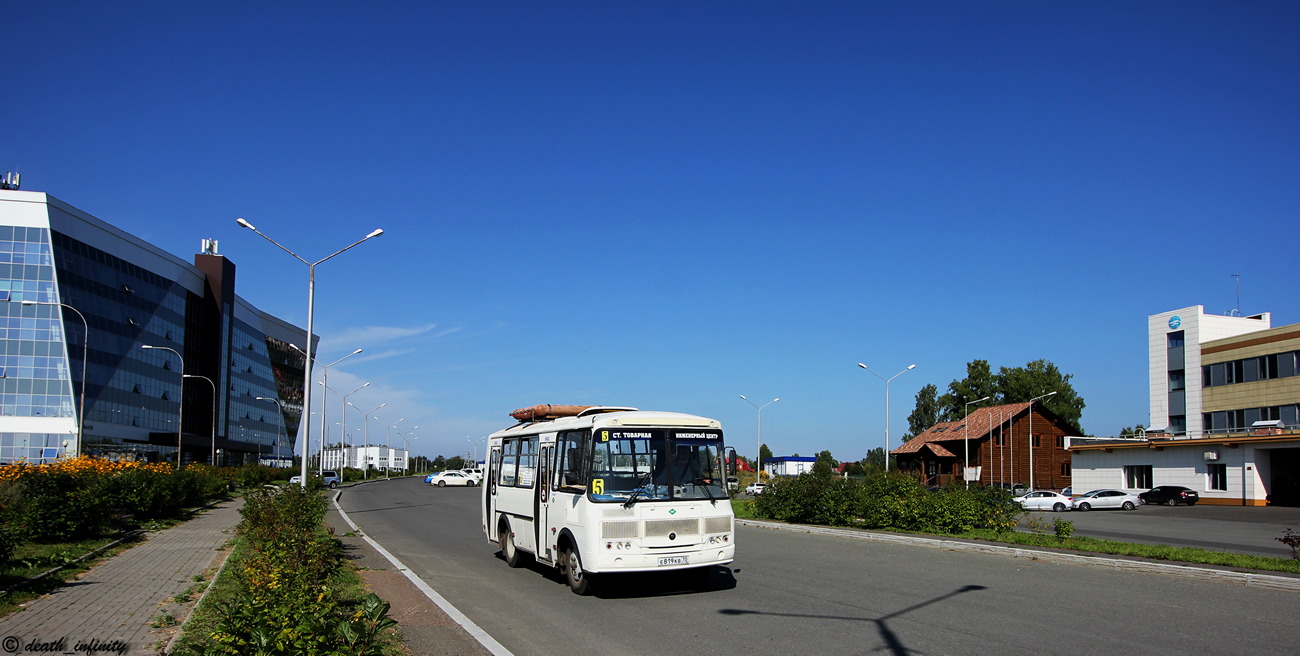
426	629
108	609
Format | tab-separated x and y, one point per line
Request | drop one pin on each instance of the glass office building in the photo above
102	332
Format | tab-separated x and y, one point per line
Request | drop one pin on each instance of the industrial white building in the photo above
381	458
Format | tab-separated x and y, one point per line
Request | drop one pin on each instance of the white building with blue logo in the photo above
1174	344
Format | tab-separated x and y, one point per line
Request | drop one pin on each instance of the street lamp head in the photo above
910	367
146	346
865	366
376	233
245	224
28	301
744	397
356	351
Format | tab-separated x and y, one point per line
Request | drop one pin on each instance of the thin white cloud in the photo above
372	336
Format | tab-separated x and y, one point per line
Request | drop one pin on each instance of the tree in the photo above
1040	377
1010	385
978	383
439	463
456	462
826	455
926	413
764	453
825	465
1131	432
875	459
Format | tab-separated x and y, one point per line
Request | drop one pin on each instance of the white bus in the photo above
599	490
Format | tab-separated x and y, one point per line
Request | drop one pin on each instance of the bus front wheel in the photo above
579	581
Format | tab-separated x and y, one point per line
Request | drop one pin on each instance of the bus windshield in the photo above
656	464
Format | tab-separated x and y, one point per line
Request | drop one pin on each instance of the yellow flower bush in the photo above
78	497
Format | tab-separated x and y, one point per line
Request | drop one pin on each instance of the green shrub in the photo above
285	602
810	499
1063	528
249	476
60	507
892	500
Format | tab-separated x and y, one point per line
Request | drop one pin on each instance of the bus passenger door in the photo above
490	494
542	503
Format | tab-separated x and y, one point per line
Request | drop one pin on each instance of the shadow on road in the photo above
892	642
635	585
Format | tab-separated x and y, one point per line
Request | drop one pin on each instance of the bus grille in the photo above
617	530
717	524
661	527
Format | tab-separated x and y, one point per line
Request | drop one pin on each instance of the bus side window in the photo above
572	457
509	461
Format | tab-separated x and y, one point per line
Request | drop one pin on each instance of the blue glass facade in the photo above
131	295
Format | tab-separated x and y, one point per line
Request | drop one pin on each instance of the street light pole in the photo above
343	437
887	381
1031	436
758	474
311	311
388	446
180	415
966	441
85	352
406	444
214	413
324	396
366	465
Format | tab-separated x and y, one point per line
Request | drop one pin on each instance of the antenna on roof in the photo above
10	181
1237	278
209	247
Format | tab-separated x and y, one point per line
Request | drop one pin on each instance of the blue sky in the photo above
668	204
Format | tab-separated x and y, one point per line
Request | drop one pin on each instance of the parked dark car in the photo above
1170	494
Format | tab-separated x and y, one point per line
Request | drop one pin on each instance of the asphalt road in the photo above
1235	529
795	593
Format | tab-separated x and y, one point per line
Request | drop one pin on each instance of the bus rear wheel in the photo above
514	557
579	581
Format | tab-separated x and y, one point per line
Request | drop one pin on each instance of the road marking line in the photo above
466	623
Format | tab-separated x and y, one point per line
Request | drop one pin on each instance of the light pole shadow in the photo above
892	643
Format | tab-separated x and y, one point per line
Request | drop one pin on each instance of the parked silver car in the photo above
1107	499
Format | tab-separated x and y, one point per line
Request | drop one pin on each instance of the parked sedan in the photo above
1046	500
1107	499
1170	494
755	488
443	479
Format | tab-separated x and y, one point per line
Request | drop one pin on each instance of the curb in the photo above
1269	581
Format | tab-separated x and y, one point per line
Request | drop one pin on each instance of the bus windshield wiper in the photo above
637	490
712	499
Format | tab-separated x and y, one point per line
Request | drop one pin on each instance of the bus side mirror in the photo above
731	461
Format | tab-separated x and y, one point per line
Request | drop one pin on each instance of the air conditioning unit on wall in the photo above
1211	455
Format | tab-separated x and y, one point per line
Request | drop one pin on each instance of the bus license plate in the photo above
673	560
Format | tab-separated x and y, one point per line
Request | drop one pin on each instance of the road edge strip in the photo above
489	643
1252	579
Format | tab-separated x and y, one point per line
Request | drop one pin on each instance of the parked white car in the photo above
476	472
1046	500
1107	499
755	488
452	477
